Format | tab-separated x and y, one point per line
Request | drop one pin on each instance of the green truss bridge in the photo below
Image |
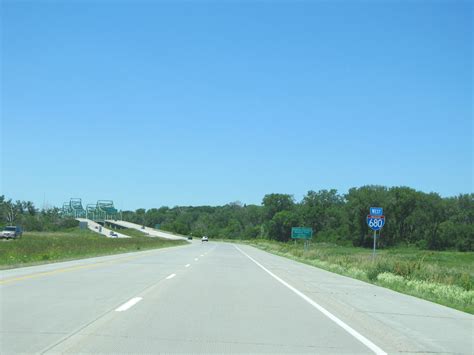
99	212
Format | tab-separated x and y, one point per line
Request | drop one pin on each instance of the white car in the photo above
204	239
11	232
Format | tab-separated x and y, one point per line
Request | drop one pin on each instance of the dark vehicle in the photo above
113	234
11	232
190	238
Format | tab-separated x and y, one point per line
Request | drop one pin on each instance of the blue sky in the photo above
157	103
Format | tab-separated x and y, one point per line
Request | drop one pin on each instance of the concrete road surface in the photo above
97	228
214	298
147	230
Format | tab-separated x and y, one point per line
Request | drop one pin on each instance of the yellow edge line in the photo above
59	271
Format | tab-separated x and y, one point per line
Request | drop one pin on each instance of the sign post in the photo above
375	237
375	220
302	233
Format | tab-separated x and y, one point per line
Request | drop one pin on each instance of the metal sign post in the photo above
375	220
375	236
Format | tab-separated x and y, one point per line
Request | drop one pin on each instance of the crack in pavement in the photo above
180	340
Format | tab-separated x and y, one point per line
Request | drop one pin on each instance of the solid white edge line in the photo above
171	276
331	316
187	265
128	304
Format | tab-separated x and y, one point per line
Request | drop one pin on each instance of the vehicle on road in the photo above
113	234
190	238
11	232
204	239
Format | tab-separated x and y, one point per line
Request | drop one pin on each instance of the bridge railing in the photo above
73	208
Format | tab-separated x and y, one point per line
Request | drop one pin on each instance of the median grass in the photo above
444	277
45	247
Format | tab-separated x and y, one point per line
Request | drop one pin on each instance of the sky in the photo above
164	103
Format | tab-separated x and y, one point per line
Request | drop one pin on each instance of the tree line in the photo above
30	218
415	218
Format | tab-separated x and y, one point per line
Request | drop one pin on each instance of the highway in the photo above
151	232
97	228
214	298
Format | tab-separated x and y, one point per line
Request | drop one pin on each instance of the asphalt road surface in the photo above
214	298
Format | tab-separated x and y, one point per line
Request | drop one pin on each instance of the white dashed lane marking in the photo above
129	304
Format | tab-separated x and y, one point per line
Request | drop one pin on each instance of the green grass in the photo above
444	277
45	247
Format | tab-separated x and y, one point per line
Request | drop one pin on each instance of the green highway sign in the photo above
301	233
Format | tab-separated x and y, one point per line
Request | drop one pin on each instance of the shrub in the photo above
377	267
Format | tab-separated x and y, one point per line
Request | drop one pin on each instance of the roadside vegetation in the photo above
46	247
444	277
425	248
413	218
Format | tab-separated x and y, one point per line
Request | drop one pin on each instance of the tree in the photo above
324	212
430	212
274	203
279	228
10	210
359	200
401	203
29	207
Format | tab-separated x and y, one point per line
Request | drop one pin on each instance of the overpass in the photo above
151	232
102	214
98	228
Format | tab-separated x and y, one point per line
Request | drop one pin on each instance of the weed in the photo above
445	277
41	247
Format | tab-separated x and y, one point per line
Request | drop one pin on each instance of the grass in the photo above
444	277
46	247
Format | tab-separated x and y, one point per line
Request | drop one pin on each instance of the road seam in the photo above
324	311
